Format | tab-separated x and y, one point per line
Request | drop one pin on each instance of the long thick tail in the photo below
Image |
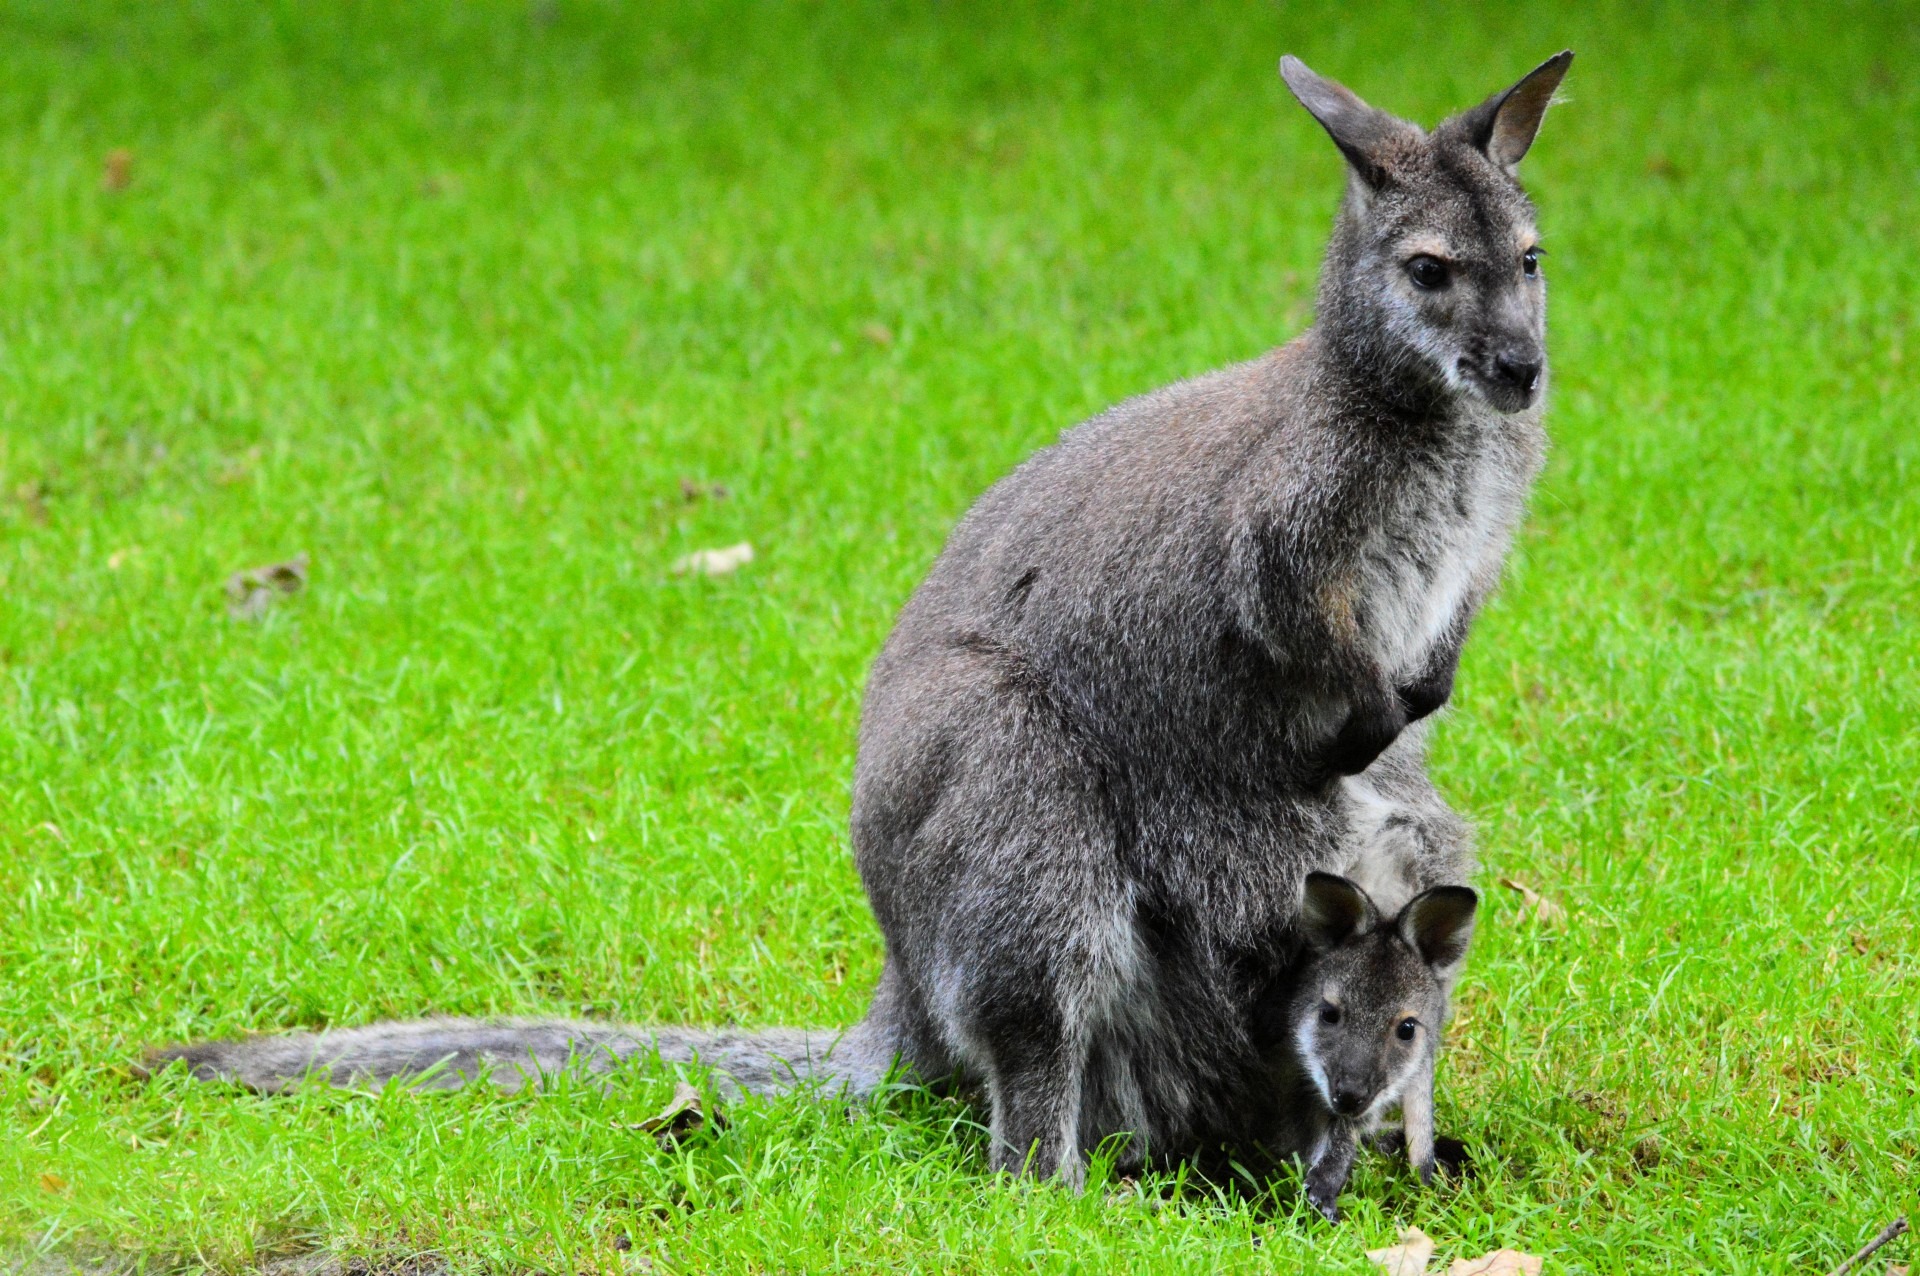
445	1054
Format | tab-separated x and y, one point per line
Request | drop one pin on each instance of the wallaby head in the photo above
1370	1002
1432	282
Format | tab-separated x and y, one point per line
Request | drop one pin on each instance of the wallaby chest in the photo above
1429	556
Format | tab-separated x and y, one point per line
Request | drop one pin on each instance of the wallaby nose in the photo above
1348	1102
1522	373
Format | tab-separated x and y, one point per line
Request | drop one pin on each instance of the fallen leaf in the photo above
878	333
1408	1258
117	173
252	592
714	562
1861	944
1502	1262
1534	906
1898	1269
51	1182
684	1113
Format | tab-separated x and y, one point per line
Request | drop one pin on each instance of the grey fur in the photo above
1104	745
445	1054
1367	1011
1159	674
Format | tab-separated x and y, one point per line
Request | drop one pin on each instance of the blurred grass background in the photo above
453	297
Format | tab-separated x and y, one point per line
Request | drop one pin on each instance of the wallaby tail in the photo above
445	1054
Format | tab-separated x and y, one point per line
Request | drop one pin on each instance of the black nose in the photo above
1348	1102
1521	374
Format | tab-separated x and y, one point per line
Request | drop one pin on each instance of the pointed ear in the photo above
1438	924
1504	125
1334	910
1363	133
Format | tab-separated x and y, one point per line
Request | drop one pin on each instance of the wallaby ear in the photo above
1363	133
1504	125
1334	910
1438	924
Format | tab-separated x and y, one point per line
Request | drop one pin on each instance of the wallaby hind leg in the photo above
1038	1096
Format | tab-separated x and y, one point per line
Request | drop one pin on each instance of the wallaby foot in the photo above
1449	1160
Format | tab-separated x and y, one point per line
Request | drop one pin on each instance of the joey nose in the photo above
1348	1102
1522	373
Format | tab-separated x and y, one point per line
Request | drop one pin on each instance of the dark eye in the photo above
1428	272
1530	262
1329	1013
1405	1030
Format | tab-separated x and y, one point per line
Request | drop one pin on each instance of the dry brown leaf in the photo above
684	1113
1898	1269
714	562
116	174
1502	1262
252	592
878	333
1408	1258
51	1182
1534	906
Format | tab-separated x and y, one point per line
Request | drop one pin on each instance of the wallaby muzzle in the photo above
1508	379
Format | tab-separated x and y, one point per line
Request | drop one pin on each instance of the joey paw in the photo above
1326	1198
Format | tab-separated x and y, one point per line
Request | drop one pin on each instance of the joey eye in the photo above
1329	1013
1427	271
1530	262
1406	1029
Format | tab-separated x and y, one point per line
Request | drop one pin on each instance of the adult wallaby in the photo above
1128	711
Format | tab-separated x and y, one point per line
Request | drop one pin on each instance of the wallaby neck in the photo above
1371	382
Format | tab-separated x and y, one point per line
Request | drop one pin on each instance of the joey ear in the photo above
1363	133
1438	924
1504	125
1334	910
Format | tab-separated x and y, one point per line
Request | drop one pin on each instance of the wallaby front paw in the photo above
1324	1197
1425	696
1364	737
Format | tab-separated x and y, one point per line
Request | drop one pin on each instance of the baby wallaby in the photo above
1366	1014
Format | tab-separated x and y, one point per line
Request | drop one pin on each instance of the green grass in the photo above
452	297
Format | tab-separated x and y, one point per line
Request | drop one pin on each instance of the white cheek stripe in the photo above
1303	1037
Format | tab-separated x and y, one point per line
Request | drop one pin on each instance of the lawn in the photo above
476	304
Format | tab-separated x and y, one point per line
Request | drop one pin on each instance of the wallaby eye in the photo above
1406	1029
1530	262
1329	1013
1427	272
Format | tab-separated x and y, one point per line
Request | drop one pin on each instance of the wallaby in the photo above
1365	1013
1139	696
